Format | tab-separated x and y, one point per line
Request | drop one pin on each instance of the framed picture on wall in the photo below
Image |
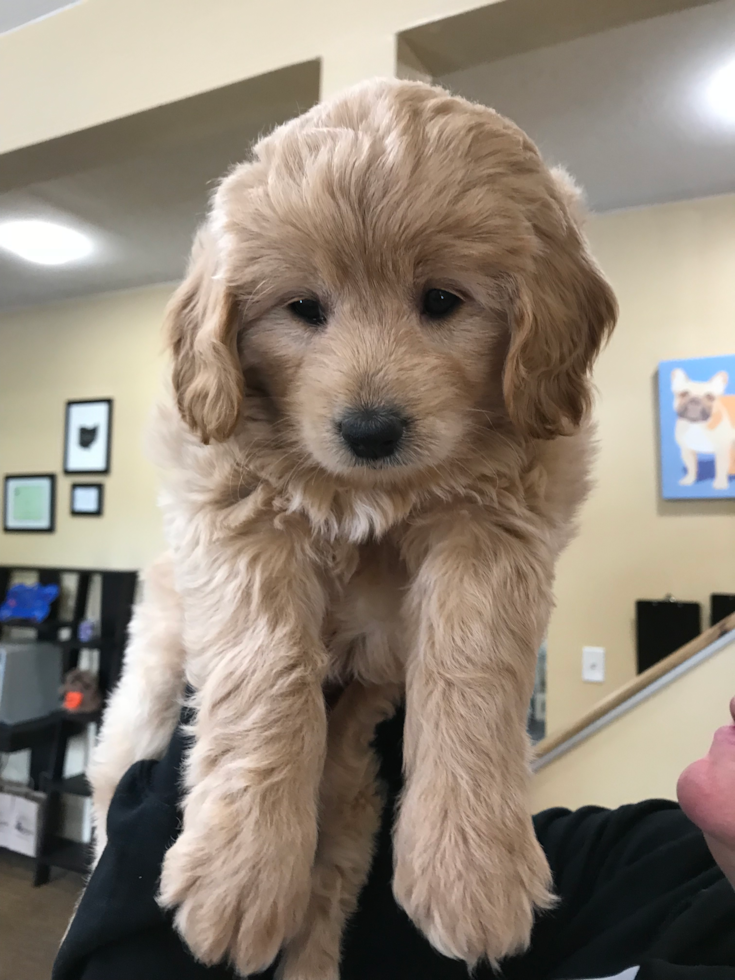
697	428
88	436
87	499
29	502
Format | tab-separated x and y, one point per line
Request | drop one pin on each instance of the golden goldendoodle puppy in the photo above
375	450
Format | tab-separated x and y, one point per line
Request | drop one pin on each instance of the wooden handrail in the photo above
635	686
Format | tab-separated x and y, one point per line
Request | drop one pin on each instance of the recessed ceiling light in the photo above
721	92
44	242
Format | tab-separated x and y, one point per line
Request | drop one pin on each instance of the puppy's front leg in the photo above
689	459
469	870
688	456
239	873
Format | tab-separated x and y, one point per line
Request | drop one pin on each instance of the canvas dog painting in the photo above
701	426
705	423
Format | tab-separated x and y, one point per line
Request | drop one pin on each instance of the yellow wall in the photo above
673	268
640	755
102	347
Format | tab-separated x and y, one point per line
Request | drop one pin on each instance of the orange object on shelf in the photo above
73	700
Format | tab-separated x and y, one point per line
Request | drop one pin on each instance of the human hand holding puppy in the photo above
376	447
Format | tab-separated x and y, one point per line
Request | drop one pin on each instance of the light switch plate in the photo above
593	664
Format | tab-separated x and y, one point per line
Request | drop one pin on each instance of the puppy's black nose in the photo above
372	433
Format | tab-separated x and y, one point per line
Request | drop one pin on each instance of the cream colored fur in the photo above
296	570
145	707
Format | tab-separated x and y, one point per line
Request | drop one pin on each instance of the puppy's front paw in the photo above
687	481
238	899
472	905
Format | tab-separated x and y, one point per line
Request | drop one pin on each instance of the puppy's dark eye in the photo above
310	311
438	304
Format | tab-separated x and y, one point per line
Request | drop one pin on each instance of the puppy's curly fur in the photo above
295	564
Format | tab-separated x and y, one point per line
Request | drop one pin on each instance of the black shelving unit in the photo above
48	737
35	735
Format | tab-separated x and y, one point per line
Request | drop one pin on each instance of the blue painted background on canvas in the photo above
673	469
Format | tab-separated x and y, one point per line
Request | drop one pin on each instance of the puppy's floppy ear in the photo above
563	310
719	382
679	381
201	324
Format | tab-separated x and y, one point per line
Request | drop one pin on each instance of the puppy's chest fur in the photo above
364	627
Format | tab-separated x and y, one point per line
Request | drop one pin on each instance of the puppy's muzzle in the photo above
372	433
694	410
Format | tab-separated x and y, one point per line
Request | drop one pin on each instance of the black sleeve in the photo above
637	886
118	931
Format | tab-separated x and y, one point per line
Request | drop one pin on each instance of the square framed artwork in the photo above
29	502
697	428
87	499
88	436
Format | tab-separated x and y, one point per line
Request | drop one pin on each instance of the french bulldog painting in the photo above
705	423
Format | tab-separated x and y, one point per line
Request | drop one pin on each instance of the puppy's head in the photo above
695	400
393	272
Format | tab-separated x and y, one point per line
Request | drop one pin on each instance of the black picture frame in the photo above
99	487
51	477
73	471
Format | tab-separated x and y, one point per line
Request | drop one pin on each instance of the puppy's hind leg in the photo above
722	467
350	812
144	708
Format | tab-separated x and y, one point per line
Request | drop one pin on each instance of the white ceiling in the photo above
140	212
625	109
16	13
139	187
